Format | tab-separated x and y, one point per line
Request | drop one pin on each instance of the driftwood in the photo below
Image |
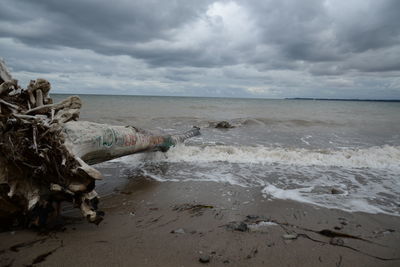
46	153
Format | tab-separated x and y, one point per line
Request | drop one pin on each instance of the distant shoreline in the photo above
250	98
340	99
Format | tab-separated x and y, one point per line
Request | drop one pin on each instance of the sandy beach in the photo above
149	223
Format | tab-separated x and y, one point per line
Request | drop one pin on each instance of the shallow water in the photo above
290	149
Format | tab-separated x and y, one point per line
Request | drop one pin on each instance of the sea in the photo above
335	154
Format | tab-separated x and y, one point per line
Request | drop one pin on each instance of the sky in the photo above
241	48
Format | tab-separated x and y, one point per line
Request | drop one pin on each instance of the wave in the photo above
383	157
359	203
366	178
260	121
241	122
287	122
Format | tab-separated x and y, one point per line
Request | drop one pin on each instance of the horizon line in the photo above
233	97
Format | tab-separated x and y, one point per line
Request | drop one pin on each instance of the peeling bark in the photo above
45	152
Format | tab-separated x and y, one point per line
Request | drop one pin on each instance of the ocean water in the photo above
289	149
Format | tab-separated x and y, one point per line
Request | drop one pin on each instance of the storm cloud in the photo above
253	48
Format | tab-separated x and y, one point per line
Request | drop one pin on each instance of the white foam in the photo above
264	223
384	157
293	194
261	225
303	195
368	178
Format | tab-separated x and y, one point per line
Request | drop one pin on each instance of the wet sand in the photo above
149	223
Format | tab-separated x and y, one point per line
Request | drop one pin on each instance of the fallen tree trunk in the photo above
45	152
95	143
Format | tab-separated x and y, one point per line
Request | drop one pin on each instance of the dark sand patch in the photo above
185	224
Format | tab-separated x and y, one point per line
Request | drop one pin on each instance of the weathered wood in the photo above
72	102
15	107
5	74
45	152
30	91
39	98
38	92
8	86
94	142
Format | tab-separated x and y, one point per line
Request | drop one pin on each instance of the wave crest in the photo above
374	157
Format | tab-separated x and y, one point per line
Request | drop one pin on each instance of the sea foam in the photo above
366	178
386	157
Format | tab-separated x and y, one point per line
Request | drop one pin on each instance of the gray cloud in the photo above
256	48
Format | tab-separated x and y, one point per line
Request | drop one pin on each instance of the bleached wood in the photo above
5	74
46	151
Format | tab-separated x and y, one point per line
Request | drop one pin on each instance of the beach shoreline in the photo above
151	223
